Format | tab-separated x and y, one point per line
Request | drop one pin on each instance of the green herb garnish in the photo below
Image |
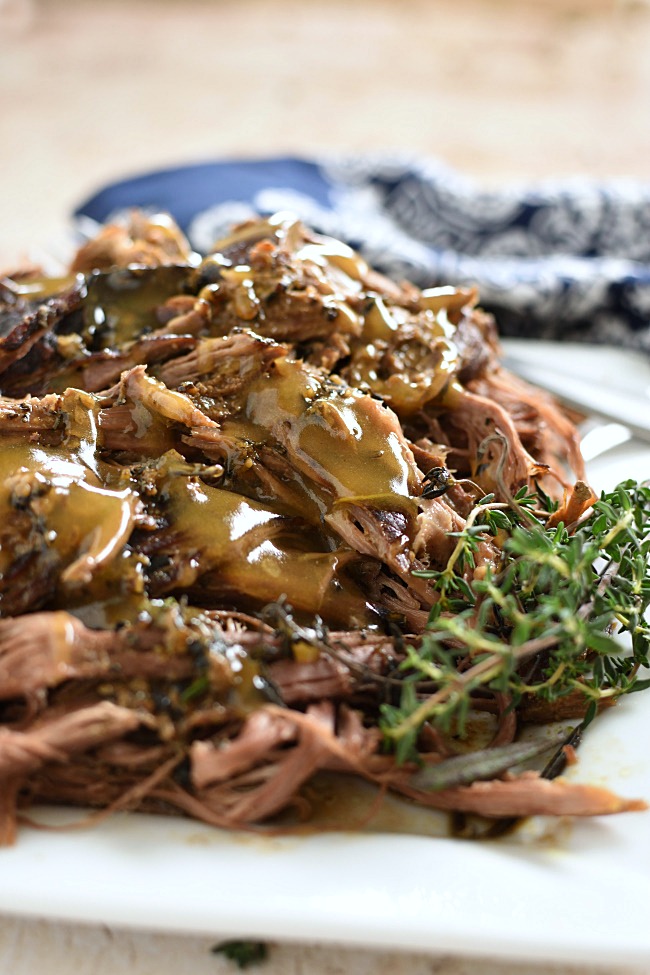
243	953
544	622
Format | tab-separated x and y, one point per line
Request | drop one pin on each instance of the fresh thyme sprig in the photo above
538	622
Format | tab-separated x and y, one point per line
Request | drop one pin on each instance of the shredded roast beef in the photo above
217	521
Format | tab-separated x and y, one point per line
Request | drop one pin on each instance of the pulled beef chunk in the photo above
64	516
46	649
100	370
219	519
29	317
86	336
151	241
544	431
35	420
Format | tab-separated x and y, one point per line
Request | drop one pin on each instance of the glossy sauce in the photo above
84	523
342	445
257	552
120	305
334	434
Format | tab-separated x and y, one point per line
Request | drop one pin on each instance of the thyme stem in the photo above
556	599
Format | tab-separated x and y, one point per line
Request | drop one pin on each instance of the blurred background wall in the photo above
93	90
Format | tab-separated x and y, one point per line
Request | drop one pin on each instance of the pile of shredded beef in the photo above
218	476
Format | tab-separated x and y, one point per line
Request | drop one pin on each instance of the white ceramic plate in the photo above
569	891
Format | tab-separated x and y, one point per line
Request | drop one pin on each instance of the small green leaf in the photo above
242	953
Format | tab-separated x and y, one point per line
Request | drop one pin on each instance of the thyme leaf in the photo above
484	764
544	622
242	953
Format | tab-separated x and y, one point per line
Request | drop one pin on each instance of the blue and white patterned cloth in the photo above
552	260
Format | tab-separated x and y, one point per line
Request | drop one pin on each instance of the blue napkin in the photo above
566	259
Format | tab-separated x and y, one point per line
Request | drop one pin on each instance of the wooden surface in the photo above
48	948
92	91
